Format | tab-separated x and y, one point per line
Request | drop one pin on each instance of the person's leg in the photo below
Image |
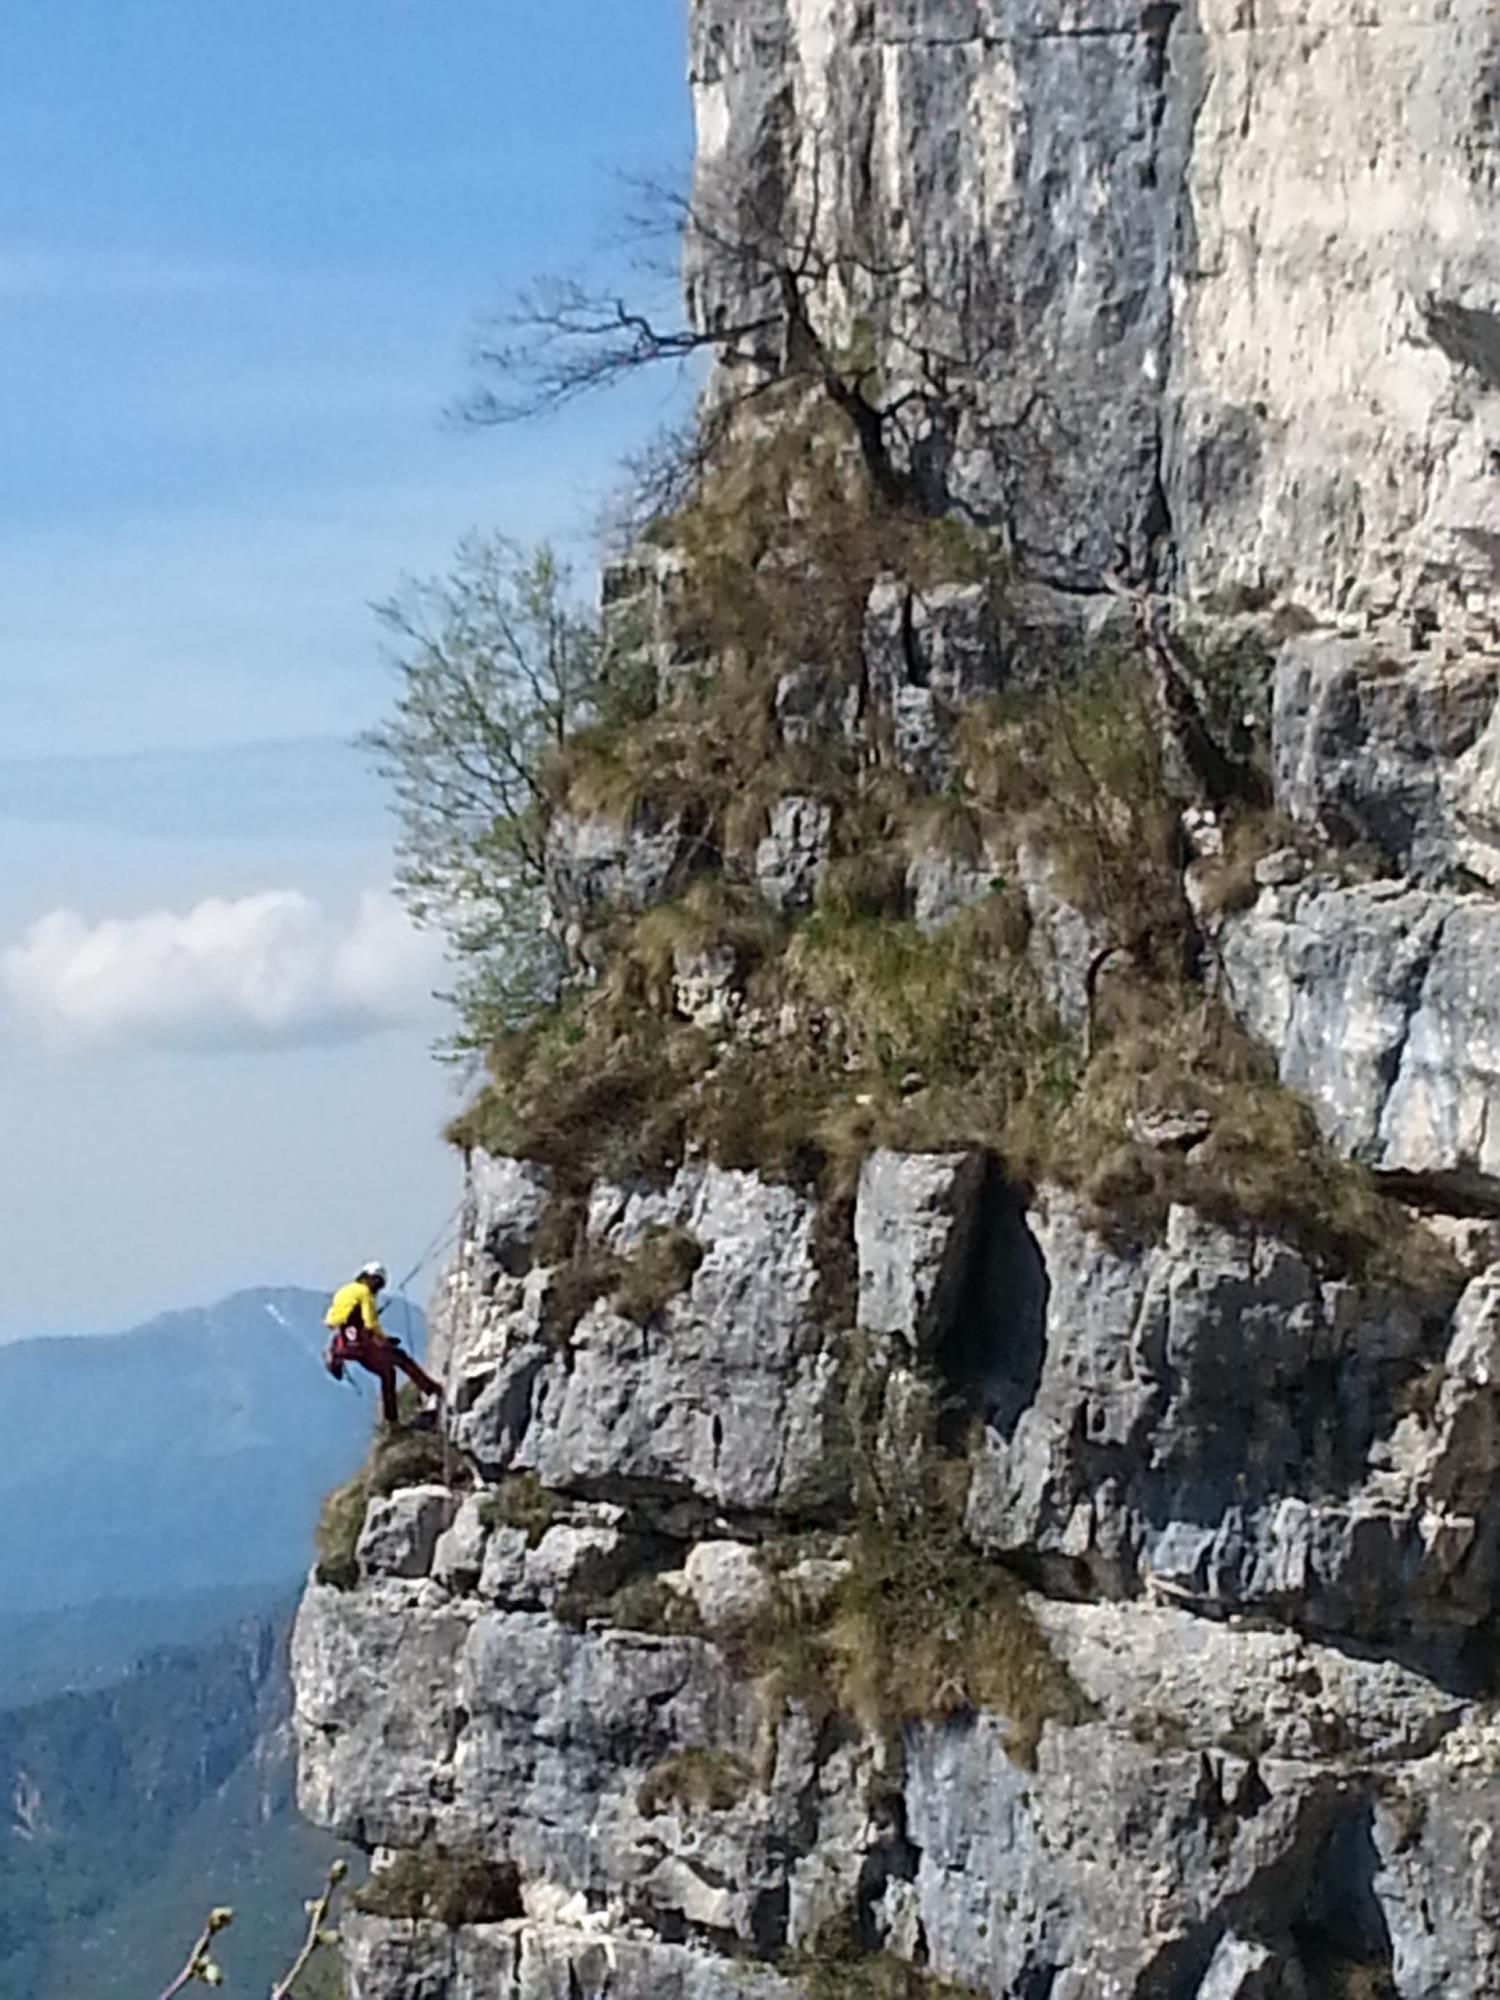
414	1374
377	1358
384	1367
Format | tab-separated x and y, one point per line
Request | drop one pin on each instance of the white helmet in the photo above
373	1273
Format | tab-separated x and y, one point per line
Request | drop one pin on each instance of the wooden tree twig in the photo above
199	1965
317	1919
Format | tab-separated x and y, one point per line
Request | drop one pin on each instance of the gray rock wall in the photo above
1182	1434
1205	296
1187	318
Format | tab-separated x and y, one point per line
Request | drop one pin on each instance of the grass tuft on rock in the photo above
397	1457
429	1885
694	1781
657	1271
336	1537
836	1965
574	1289
916	1625
520	1501
650	1604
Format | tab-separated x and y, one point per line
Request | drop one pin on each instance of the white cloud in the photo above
267	970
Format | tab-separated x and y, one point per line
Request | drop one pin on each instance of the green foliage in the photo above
429	1885
397	1457
520	1501
694	1781
649	1604
336	1536
496	668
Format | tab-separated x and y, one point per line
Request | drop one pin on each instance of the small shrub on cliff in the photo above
403	1457
429	1885
520	1501
836	1965
650	1604
695	1781
396	1458
337	1534
496	667
656	1271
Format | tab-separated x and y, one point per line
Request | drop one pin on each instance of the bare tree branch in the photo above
317	1935
200	1966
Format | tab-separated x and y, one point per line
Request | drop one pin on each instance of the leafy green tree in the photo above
497	667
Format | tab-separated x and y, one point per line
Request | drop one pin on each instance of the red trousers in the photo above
382	1358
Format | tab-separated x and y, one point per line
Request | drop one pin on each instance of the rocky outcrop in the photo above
722	1402
1367	749
1150	301
1180	1432
1379	1001
1210	1418
1141	318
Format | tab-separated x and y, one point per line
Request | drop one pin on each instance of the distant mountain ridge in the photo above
188	1454
128	1811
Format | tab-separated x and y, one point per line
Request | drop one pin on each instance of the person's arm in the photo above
369	1313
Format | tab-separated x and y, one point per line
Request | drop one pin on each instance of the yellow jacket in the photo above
354	1306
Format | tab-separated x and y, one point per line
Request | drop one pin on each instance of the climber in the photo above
357	1335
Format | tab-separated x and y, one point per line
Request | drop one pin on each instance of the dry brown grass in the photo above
1228	883
928	1628
837	1966
1173	1049
429	1885
520	1501
659	1269
694	1781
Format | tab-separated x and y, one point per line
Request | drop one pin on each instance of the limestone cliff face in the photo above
1232	265
1191	1691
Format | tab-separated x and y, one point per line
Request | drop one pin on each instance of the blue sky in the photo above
242	254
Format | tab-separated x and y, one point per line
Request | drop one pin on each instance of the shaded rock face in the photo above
1215	1421
1181	301
1379	1000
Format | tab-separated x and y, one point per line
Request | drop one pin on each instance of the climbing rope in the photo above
446	1237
